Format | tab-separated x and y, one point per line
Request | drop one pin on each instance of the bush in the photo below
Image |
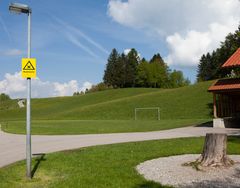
78	93
4	97
99	87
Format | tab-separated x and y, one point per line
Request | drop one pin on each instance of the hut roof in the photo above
225	85
233	61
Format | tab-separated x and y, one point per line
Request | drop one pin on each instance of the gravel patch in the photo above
170	171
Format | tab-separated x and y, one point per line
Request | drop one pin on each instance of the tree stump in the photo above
215	152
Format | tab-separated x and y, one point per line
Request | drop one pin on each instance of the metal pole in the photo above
158	114
28	136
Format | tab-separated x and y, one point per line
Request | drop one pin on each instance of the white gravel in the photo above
170	171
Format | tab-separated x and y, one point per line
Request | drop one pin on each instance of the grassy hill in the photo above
186	102
191	102
8	104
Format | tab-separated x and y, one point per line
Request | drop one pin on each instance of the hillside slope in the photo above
181	103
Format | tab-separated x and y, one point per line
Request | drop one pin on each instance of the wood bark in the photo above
215	152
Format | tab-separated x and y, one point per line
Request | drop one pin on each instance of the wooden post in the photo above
223	106
214	106
229	106
231	100
220	105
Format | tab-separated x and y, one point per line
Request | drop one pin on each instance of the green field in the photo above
113	111
109	166
61	127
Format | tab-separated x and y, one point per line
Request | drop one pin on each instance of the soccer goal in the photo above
156	109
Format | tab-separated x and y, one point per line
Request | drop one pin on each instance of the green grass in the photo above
61	127
110	166
113	111
8	105
191	102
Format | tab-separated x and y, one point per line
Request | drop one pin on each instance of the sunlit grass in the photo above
102	166
61	127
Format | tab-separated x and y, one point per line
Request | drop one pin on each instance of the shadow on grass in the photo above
206	124
39	158
210	106
234	139
150	184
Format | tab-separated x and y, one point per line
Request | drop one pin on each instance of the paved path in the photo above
12	147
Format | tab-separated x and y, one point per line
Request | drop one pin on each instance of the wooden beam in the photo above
224	105
214	106
220	114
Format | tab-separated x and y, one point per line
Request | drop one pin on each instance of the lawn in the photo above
110	166
190	102
112	111
61	127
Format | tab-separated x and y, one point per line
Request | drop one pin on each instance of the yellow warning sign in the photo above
29	68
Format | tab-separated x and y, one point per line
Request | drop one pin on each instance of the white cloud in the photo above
126	51
15	86
190	28
186	50
86	85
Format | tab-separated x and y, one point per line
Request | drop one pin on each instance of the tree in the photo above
210	64
120	71
214	152
177	79
76	93
157	58
205	68
143	74
132	61
99	87
128	71
4	97
158	72
109	73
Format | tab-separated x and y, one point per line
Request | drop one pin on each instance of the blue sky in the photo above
71	40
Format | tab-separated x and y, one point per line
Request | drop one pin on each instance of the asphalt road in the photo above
12	146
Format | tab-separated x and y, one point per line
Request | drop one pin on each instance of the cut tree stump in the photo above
214	152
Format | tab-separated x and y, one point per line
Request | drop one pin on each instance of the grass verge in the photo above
62	127
110	166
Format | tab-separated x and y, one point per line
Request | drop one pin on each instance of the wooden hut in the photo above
226	96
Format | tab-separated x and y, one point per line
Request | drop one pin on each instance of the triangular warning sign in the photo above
28	66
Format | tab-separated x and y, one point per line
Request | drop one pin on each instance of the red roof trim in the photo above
225	85
234	60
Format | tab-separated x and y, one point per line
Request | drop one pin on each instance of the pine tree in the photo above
132	60
109	73
209	66
120	69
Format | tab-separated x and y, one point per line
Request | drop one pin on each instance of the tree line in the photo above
128	70
209	66
4	97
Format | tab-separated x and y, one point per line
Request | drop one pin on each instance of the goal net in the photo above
147	113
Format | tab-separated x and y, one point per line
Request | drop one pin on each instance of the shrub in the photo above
4	97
